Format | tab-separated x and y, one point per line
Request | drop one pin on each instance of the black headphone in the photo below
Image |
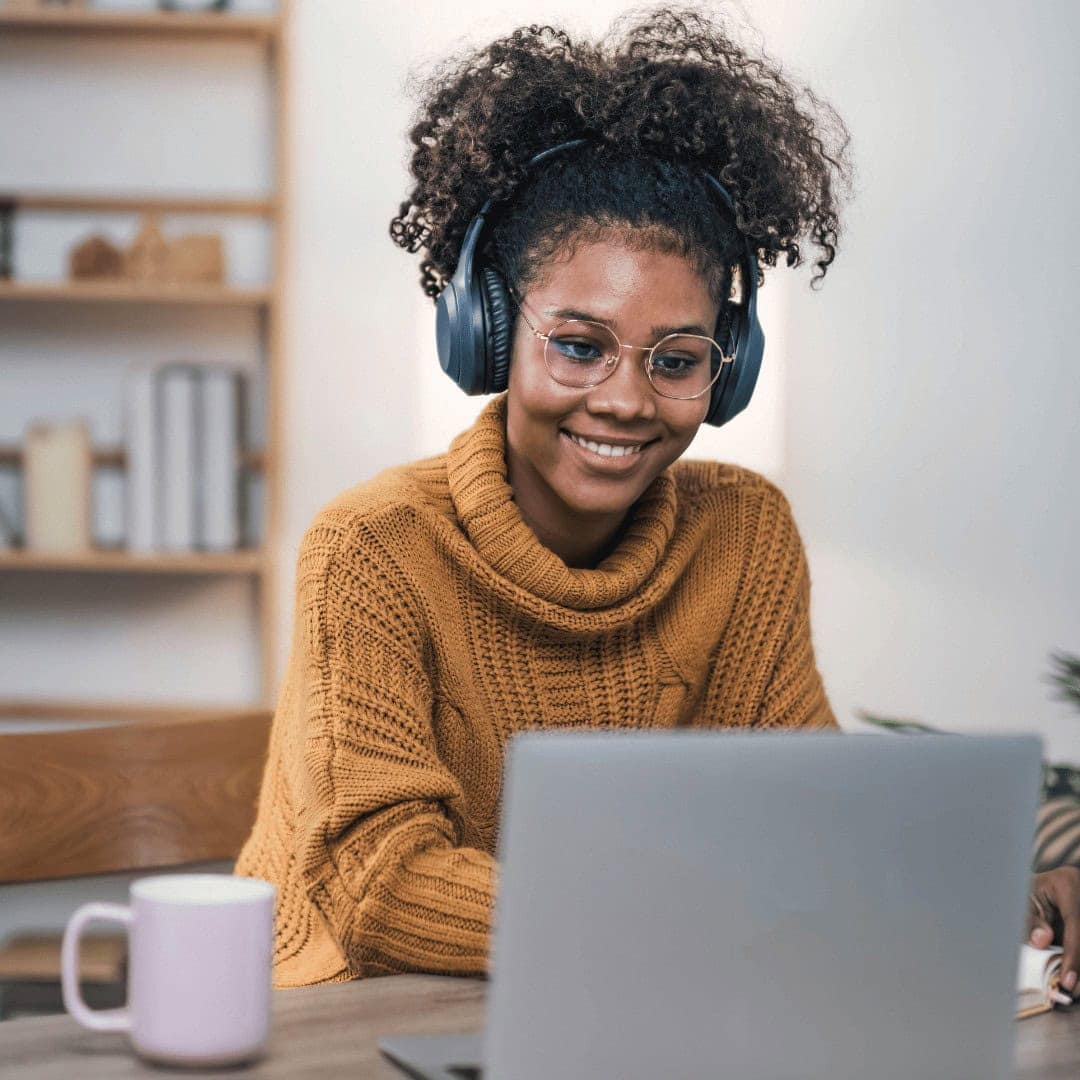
473	320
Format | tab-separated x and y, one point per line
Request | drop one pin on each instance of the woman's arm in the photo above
378	843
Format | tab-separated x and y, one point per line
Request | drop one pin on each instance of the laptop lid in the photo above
689	904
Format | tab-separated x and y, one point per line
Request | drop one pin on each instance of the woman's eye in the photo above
675	363
580	351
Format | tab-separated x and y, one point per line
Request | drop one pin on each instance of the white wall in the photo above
925	428
934	450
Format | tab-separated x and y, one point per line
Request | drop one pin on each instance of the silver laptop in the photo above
706	904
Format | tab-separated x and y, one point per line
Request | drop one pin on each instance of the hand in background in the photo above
1054	918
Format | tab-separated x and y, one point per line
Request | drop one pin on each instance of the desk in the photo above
331	1031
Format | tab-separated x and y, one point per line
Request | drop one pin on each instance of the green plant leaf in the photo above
905	727
1066	677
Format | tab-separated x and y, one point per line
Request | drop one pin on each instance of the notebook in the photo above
1037	989
688	904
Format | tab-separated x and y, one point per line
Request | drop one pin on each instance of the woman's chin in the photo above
601	499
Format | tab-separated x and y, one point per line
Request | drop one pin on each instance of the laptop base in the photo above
437	1057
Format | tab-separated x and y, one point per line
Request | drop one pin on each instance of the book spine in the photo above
219	459
140	437
178	458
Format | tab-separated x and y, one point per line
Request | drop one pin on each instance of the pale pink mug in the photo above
199	963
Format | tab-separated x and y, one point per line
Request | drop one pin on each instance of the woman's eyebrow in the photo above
657	331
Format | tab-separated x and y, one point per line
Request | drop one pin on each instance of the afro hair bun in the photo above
668	84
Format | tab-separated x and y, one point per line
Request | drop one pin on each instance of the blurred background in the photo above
920	410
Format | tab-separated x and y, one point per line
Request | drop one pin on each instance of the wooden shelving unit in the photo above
133	292
164	204
248	561
112	710
115	457
177	24
267	301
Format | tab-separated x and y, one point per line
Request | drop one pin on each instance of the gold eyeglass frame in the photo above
612	363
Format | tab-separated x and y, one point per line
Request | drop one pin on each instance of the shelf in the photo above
115	457
164	204
153	23
248	561
16	709
133	292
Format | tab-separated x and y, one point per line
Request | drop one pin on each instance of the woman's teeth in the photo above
606	449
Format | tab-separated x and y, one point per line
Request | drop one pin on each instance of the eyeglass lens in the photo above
583	354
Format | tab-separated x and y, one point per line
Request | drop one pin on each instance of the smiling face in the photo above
574	498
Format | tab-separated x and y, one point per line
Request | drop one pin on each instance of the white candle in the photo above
57	468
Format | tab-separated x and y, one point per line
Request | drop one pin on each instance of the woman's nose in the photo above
626	394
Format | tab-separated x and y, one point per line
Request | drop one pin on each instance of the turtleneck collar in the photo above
484	501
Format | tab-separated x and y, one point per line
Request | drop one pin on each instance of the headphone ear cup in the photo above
733	390
497	323
446	316
727	339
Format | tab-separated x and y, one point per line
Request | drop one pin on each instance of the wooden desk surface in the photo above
331	1031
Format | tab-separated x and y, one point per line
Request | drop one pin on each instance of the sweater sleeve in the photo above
378	836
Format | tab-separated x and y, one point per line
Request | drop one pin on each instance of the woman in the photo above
559	566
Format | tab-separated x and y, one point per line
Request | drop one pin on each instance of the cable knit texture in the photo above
431	624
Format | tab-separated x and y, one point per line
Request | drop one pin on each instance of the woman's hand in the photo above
1054	918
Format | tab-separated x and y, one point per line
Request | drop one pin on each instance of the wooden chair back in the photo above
155	791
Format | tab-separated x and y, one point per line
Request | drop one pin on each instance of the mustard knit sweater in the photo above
431	624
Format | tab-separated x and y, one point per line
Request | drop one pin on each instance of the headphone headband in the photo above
472	318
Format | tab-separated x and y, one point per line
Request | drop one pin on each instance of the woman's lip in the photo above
603	462
609	441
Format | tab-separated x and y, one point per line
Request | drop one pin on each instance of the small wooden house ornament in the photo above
148	257
189	260
193	259
196	259
95	257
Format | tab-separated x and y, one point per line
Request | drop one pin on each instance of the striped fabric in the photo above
1057	834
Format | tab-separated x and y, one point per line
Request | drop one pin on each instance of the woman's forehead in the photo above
613	276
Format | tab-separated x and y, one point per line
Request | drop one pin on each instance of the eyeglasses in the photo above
581	353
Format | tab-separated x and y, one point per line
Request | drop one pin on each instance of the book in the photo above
183	436
1037	976
178	507
218	458
141	443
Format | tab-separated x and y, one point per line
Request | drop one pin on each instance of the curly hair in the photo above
668	98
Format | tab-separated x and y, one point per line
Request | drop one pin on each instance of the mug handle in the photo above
96	1019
